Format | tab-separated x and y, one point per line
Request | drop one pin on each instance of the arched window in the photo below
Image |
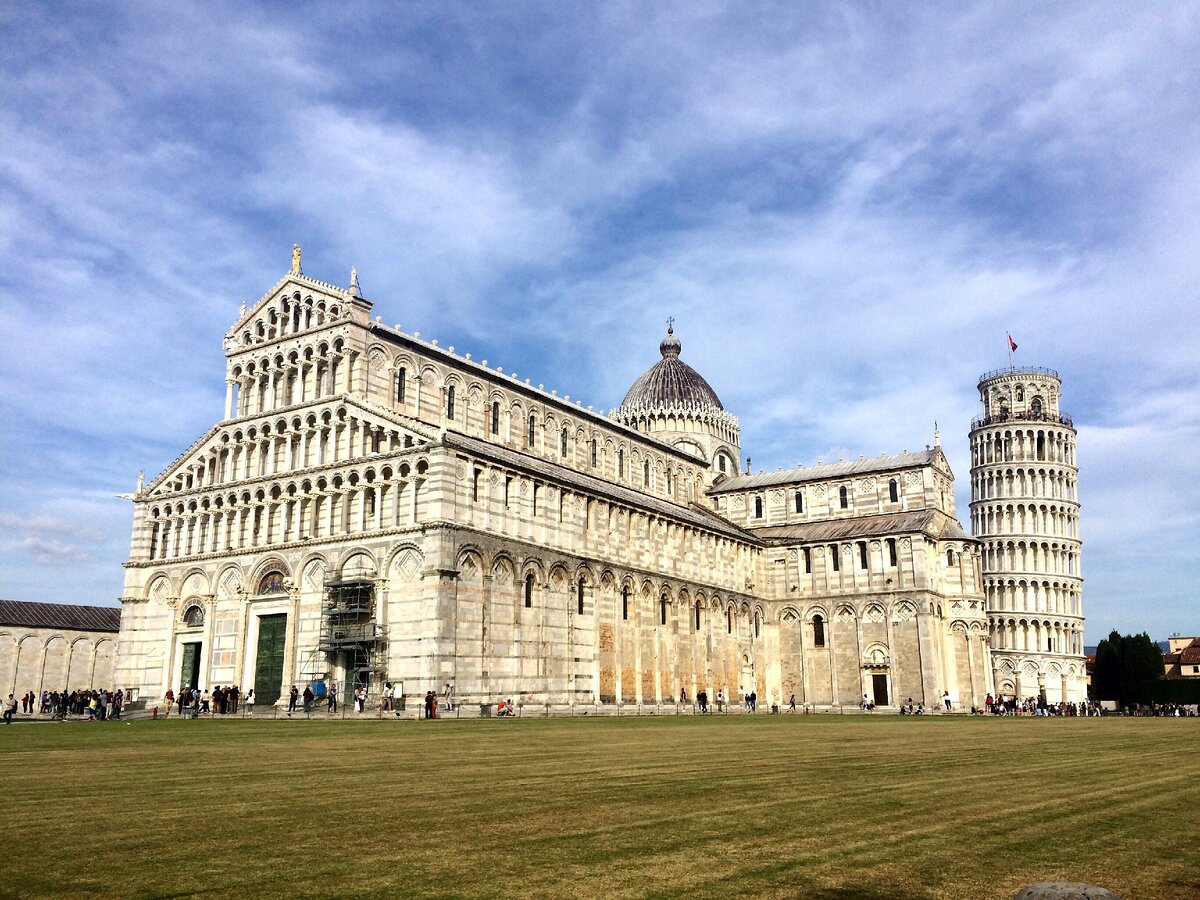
562	442
624	603
646	473
758	507
1036	407
579	596
818	631
799	502
757	622
495	417
721	462
662	610
400	382
729	620
697	615
271	583
450	402
1020	393
1041	446
894	491
595	452
621	463
194	616
843	497
532	434
670	484
529	590
950	557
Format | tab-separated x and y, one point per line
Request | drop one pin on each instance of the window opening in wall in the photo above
843	497
662	610
891	545
756	624
624	603
862	554
621	463
646	473
807	561
507	488
495	417
475	486
729	620
534	494
697	615
949	557
721	463
529	590
562	443
1041	447
595	453
893	491
194	616
375	438
799	502
818	631
834	555
579	596
532	433
450	402
670	484
758	507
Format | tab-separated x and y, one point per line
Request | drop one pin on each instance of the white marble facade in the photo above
512	543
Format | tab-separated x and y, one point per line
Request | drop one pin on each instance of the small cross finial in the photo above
670	324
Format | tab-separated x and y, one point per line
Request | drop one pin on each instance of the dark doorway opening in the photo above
268	662
879	684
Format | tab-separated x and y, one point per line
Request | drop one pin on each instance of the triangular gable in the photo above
301	282
390	421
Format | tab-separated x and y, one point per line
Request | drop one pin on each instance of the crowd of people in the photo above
1005	705
223	701
91	704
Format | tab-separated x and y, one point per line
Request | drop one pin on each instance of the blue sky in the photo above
844	206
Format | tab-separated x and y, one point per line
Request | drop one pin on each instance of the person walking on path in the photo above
10	708
792	704
946	699
331	705
308	699
293	698
249	701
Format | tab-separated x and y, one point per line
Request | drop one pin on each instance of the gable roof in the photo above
693	514
931	522
65	616
805	474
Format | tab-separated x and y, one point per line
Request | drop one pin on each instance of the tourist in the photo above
448	695
754	701
168	701
946	699
250	702
331	699
360	698
309	696
792	704
682	695
293	699
10	709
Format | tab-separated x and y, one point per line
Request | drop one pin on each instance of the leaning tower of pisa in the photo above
1025	511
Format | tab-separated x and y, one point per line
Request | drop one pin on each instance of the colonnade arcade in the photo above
1030	635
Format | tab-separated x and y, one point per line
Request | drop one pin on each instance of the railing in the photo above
1048	418
1018	370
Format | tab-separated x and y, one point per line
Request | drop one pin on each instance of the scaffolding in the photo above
350	635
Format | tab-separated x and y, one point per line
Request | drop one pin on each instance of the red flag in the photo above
1012	345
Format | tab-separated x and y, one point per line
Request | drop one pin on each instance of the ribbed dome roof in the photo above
670	382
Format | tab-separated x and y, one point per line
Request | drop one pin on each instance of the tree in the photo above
1127	668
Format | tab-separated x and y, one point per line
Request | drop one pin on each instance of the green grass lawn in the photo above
818	806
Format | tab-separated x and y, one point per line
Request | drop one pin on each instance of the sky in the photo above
844	206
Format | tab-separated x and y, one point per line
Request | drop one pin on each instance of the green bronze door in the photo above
268	666
189	670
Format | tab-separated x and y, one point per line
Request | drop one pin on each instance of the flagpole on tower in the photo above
1008	340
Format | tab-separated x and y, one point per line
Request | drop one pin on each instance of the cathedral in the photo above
375	508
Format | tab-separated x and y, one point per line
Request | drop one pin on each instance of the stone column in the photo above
228	398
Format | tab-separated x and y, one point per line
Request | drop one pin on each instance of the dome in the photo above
671	383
